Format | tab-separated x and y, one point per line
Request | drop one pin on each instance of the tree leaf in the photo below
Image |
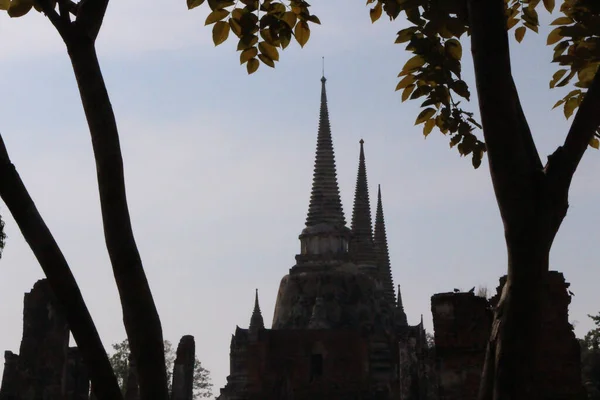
562	21
220	32
18	8
554	36
428	127
314	19
549	4
520	33
4	4
376	11
407	80
586	75
302	33
252	65
453	48
570	106
215	16
558	103
266	60
194	3
248	54
595	143
405	34
269	51
289	18
425	115
407	91
235	27
414	63
557	76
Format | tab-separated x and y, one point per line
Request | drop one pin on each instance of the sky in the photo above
218	167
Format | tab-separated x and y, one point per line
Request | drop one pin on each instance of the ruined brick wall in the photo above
462	323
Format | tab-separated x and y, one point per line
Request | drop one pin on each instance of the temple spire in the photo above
361	245
325	205
256	321
383	256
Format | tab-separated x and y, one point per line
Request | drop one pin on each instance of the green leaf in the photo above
220	32
407	80
554	36
453	48
194	3
520	33
376	11
252	65
269	51
557	76
414	63
302	33
425	115
549	4
215	16
595	143
248	54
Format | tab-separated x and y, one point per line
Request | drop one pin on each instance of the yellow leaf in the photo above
4	4
18	8
376	11
252	65
314	19
194	3
302	33
549	4
562	21
220	32
237	13
269	51
570	106
407	91
511	22
557	76
289	18
586	75
558	103
428	127
215	16
235	27
425	115
554	36
248	54
414	63
520	33
595	143
266	60
407	80
453	48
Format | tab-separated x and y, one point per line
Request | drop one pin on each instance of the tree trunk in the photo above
61	280
140	316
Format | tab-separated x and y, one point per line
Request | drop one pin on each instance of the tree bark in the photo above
140	315
61	280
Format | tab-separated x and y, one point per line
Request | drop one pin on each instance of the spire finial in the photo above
323	79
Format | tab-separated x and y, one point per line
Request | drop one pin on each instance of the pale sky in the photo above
219	166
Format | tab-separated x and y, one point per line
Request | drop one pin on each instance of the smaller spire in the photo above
400	305
256	321
400	314
383	255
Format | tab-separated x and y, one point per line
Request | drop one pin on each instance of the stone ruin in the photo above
46	368
462	324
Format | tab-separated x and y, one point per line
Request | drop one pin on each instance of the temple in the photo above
338	330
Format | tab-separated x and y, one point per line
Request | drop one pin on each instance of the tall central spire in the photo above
361	245
325	204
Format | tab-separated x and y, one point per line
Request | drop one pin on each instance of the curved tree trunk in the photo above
140	316
61	280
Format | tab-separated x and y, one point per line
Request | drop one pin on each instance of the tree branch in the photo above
585	124
511	151
14	194
90	15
